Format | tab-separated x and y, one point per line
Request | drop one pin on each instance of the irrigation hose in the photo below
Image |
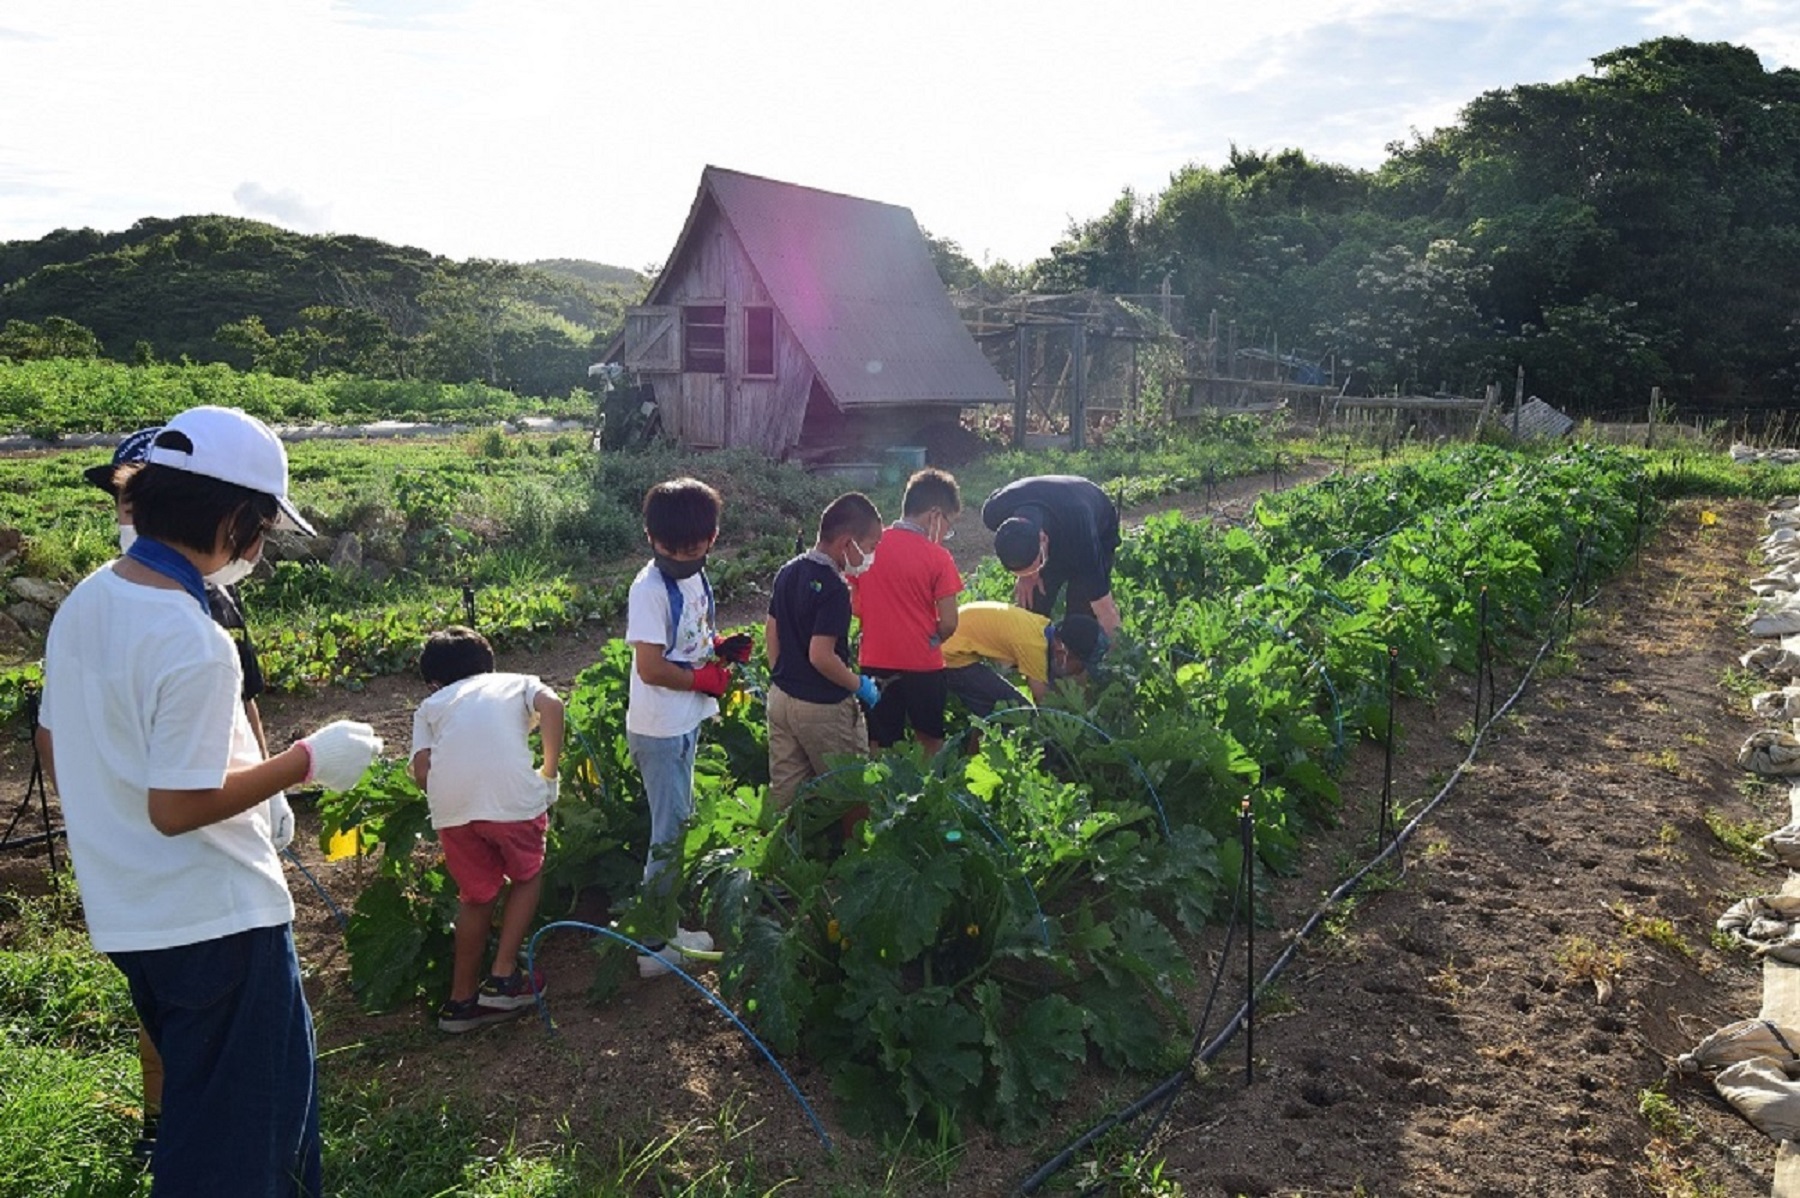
343	920
715	1000
1172	1084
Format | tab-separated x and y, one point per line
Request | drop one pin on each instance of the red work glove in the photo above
712	679
734	648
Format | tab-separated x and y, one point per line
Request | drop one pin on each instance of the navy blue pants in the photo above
240	1109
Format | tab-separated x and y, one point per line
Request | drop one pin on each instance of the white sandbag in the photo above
1772	660
1783	704
1771	752
1766	924
1775	618
1782	503
1776	585
1745	1040
1785	518
1781	536
1783	844
1763	1093
1741	453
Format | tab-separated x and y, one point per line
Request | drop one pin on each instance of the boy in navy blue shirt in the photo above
814	711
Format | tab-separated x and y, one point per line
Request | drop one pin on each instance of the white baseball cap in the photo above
231	446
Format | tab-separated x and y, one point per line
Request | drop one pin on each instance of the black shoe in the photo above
512	991
145	1146
471	1013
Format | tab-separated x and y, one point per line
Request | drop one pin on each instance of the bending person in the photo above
989	633
1053	530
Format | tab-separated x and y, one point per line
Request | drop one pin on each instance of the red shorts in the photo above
483	855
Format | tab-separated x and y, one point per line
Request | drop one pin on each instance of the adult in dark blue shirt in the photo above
815	704
1056	530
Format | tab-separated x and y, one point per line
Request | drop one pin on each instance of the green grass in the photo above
1742	840
70	1108
70	1119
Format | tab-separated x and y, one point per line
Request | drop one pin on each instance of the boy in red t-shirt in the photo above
907	603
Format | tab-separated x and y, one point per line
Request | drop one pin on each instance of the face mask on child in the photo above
862	567
127	534
232	573
677	569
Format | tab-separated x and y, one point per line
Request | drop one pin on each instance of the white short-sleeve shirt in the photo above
481	769
141	691
658	710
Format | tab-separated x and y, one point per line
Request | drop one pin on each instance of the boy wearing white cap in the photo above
165	799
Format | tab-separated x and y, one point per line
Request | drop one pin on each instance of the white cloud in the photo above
283	206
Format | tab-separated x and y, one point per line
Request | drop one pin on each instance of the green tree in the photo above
57	337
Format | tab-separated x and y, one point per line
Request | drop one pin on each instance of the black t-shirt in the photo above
809	599
1081	521
228	613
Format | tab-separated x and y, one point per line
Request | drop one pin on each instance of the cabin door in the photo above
703	413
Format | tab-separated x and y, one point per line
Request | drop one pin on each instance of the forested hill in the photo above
218	288
1632	228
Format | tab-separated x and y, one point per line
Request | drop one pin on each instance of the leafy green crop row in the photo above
1008	912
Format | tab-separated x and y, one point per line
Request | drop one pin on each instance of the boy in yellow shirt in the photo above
988	632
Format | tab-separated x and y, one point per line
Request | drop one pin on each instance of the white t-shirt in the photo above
141	691
657	710
480	760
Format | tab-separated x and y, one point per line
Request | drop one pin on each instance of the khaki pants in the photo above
803	735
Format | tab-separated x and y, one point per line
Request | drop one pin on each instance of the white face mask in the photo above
234	572
862	567
127	534
231	573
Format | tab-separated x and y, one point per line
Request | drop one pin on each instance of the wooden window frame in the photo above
703	339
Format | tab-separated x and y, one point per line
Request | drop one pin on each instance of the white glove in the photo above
281	821
552	788
339	752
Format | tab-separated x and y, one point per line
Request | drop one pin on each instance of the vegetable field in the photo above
1019	907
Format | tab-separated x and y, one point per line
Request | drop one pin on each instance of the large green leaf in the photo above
1034	1056
894	907
393	948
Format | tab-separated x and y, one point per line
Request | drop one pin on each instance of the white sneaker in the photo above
669	957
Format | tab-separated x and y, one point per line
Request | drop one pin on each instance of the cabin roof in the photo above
854	281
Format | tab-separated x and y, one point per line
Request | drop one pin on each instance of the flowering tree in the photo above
1412	316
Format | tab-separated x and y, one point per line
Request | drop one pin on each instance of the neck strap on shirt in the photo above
678	602
170	563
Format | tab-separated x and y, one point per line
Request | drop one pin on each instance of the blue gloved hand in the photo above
866	692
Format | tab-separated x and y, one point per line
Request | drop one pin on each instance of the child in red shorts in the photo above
490	809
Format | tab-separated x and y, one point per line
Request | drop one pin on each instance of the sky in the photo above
529	129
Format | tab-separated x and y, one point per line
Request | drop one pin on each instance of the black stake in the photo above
1211	479
34	787
1387	771
1484	664
1247	837
468	589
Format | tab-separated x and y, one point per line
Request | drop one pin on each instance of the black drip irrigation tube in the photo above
343	921
1167	1090
595	929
